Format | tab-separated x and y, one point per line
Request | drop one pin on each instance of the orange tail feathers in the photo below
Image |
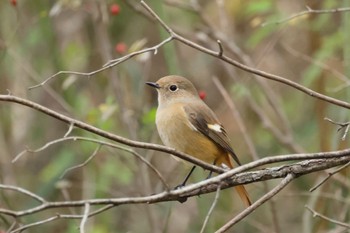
242	192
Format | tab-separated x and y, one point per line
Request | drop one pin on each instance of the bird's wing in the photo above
205	121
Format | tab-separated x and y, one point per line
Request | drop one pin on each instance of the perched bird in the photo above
187	124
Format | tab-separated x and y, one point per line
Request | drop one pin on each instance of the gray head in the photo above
173	89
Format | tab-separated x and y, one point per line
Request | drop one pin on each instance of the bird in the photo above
185	123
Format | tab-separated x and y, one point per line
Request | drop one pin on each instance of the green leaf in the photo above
150	117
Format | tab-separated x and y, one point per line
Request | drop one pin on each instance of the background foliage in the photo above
40	38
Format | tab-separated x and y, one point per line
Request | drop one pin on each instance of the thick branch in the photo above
206	186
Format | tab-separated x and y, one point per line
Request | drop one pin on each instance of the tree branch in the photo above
105	134
226	180
229	60
309	11
219	55
258	203
316	214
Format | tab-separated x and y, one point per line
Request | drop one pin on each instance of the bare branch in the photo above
341	125
216	198
151	146
308	11
228	179
221	50
316	214
330	174
108	65
88	75
50	219
84	219
61	216
84	163
261	73
71	127
164	25
23	191
105	134
155	48
131	151
258	203
175	36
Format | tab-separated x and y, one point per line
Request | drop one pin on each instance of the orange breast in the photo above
177	132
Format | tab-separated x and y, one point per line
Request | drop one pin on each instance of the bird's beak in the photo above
155	85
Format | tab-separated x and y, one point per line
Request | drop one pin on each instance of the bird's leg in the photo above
211	172
186	179
183	199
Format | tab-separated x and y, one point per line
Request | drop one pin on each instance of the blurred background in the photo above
40	38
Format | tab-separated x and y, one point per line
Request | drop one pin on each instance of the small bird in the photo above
185	123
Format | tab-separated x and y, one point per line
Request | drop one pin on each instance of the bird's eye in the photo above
173	88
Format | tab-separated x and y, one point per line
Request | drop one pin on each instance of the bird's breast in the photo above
176	131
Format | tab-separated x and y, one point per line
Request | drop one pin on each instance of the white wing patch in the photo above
215	127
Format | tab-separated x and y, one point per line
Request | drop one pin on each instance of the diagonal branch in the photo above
229	60
219	55
258	203
105	134
316	214
151	146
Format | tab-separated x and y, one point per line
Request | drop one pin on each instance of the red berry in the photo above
202	94
114	9
13	2
121	47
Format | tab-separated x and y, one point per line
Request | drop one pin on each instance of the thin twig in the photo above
23	191
316	214
341	125
24	227
87	75
330	174
61	216
84	163
71	127
216	198
100	142
221	50
13	225
155	48
307	12
84	219
258	203
108	65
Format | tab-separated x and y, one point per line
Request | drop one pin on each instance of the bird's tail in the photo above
242	192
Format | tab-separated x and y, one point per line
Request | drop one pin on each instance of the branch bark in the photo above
226	180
